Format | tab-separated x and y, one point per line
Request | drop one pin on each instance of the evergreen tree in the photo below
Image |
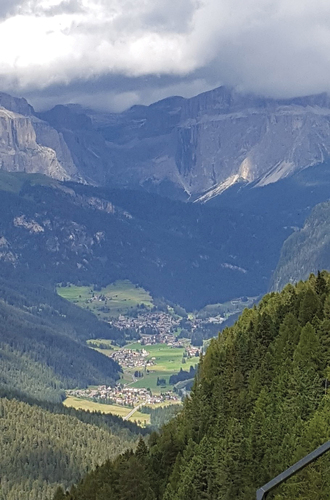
59	494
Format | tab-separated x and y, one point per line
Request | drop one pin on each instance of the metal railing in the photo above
311	457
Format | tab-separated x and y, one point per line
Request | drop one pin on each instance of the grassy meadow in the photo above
112	301
227	309
121	411
168	361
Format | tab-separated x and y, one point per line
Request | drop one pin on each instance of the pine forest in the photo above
259	403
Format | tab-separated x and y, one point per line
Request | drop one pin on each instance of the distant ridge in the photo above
177	147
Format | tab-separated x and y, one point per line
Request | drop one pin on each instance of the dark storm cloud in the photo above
116	93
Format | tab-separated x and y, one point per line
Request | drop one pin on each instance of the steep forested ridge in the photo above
46	445
42	343
260	402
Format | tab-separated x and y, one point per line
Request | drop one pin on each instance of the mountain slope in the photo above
260	402
44	448
52	233
305	251
42	343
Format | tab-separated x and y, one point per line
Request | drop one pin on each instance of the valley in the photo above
112	301
148	369
236	424
161	362
130	308
128	241
156	365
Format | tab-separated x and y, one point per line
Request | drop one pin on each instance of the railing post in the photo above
261	494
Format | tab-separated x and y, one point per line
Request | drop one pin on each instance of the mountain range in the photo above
184	148
253	167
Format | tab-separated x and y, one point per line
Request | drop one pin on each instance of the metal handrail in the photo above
311	457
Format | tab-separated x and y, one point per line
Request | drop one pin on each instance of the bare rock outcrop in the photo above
20	151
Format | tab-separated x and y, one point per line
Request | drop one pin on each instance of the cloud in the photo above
273	47
117	93
64	7
8	7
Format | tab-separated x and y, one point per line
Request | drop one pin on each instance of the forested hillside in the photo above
260	402
44	447
53	233
42	343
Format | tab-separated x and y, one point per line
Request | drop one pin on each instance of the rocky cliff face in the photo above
207	143
19	150
29	145
180	147
85	146
53	140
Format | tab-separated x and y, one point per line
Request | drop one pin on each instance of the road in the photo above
132	412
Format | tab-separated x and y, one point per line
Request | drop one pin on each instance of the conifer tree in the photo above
59	494
309	306
307	353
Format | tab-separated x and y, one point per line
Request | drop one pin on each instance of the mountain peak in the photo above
17	105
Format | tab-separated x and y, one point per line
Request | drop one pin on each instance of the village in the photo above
143	363
159	323
136	358
130	358
125	396
150	321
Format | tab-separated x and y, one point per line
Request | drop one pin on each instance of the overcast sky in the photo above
111	54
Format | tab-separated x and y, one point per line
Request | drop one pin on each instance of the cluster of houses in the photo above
193	351
137	358
157	322
159	327
161	338
125	396
130	358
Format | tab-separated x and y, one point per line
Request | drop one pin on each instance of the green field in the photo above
101	342
142	419
121	411
117	298
227	309
103	346
168	362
